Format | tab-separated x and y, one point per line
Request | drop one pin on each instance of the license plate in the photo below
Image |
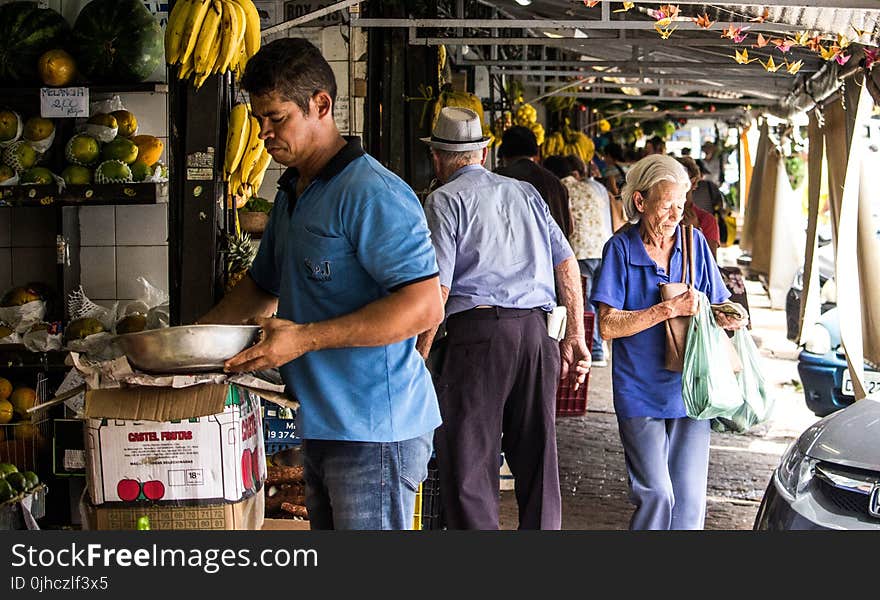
872	384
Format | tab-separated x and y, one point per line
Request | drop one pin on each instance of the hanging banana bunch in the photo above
527	116
569	141
246	158
204	37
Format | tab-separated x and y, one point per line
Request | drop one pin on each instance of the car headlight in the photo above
795	471
817	339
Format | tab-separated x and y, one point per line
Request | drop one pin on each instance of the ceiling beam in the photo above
682	24
681	99
566	43
628	64
846	4
780	75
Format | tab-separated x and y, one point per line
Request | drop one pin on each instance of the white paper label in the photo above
64	102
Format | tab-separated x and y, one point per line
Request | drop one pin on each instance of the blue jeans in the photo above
667	461
364	485
590	268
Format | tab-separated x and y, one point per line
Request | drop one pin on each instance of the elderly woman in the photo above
667	453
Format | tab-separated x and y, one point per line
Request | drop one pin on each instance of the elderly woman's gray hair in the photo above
647	173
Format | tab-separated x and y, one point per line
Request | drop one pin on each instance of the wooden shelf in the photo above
16	356
123	88
84	195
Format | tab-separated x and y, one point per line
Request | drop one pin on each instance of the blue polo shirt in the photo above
629	280
353	236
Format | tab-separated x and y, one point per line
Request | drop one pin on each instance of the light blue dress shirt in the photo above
496	242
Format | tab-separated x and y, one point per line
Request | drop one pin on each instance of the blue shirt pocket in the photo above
327	263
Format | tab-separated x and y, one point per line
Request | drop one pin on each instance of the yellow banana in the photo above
186	69
198	9
255	177
210	29
252	152
237	136
174	30
252	29
239	61
233	189
228	36
238	48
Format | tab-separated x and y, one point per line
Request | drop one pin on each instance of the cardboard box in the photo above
173	446
286	525
245	515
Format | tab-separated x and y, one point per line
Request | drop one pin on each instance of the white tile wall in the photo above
34	264
5	268
150	262
142	225
5	227
98	271
97	226
33	227
151	111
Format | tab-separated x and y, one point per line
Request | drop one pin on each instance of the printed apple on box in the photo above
197	445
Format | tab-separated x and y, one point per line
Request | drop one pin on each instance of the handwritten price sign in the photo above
66	102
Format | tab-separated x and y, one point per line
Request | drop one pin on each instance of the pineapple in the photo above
240	253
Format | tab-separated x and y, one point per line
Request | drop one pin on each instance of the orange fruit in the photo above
22	399
5	388
149	149
6	411
56	67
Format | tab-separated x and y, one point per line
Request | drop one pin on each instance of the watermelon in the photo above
117	41
26	32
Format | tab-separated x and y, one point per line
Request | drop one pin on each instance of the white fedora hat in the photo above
457	130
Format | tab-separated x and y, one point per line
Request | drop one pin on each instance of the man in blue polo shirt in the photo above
347	263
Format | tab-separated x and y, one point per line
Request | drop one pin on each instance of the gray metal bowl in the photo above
186	348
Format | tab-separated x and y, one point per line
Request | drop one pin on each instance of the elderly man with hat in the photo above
501	258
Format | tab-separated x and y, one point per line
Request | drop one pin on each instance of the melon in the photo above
56	67
37	129
117	41
126	122
37	175
149	148
82	150
113	171
6	172
11	126
26	32
120	149
140	170
76	175
20	156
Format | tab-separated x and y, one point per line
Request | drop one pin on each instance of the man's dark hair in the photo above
576	164
615	152
518	141
292	67
558	165
658	143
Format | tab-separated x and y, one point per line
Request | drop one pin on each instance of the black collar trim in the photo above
348	153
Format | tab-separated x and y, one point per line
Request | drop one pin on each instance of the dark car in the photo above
829	478
823	371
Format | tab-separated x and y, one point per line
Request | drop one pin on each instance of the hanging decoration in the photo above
734	33
626	7
703	21
742	57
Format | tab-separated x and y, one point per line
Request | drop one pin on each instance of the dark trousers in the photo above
496	384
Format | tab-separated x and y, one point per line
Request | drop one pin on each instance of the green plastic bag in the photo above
708	384
757	402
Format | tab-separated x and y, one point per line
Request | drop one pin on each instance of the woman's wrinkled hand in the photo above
685	304
729	322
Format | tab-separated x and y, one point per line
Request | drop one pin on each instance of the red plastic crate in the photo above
571	403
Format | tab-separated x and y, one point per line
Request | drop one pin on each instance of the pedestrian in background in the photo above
666	452
501	258
693	214
591	228
519	155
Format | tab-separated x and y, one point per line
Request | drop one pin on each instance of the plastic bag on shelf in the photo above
43	337
151	305
90	326
22	315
